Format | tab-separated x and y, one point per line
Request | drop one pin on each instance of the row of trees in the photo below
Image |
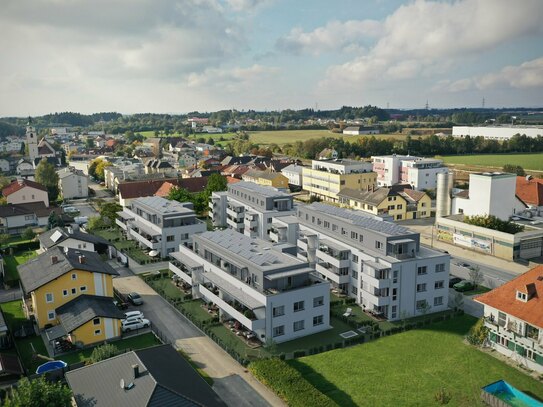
215	183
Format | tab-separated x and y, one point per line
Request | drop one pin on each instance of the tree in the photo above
494	223
54	220
216	183
4	238
39	392
210	141
28	234
108	211
476	276
425	308
515	169
89	142
180	195
48	177
100	169
457	300
103	352
95	223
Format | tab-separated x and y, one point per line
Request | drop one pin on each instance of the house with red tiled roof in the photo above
530	190
513	313
23	191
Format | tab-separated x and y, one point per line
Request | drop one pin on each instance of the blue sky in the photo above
182	55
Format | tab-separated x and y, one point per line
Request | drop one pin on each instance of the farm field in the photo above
408	369
527	161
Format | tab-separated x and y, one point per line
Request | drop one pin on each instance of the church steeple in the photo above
31	140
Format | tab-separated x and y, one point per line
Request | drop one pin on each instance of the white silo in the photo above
443	194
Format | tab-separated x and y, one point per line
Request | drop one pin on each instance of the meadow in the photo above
531	161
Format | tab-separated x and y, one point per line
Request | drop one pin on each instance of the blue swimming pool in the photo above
49	366
508	394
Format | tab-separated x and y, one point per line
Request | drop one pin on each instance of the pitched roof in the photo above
41	269
530	190
262	174
164	189
85	308
371	197
136	189
17	185
232	180
412	195
165	379
293	168
58	235
462	194
37	208
504	298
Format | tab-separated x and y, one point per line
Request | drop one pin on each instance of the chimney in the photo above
136	369
69	230
531	290
82	259
54	259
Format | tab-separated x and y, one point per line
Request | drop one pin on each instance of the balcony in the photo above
333	275
302	254
376	282
121	224
150	241
334	257
181	270
302	243
377	298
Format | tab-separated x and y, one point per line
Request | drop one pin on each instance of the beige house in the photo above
24	191
266	178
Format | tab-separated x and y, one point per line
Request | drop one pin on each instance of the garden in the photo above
129	247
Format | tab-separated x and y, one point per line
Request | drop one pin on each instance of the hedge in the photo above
289	384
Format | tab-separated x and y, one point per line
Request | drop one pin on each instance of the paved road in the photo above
84	208
234	384
100	191
493	277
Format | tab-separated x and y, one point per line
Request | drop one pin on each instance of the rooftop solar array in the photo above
259	189
361	219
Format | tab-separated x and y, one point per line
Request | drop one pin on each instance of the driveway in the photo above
232	382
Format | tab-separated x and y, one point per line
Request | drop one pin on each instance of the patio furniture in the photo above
348	312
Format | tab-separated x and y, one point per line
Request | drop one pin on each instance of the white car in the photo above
133	324
132	314
70	209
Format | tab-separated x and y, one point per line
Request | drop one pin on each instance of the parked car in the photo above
70	209
135	298
133	314
133	324
462	264
463	285
454	280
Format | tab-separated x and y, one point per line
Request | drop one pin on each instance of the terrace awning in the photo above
55	332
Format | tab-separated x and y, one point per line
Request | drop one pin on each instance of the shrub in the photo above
289	384
443	396
103	352
478	333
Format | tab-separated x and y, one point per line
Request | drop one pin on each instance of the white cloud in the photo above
246	5
231	79
348	36
427	37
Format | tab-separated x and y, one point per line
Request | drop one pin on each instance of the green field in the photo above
527	161
291	136
408	369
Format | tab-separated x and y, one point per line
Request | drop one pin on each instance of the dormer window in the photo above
522	296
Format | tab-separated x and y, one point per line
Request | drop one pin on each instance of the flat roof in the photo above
163	206
269	192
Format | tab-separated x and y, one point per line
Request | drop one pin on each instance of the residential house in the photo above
187	161
249	208
271	293
25	167
73	183
72	238
266	178
530	191
328	154
294	174
158	167
155	376
24	191
420	173
326	178
513	313
61	276
159	224
14	219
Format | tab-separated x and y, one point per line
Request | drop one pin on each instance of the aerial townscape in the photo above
256	203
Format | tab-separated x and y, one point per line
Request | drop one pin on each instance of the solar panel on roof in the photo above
55	236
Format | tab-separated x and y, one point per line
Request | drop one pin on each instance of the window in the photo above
334	228
354	274
439	284
278	331
74	276
49	297
355	258
530	354
343	231
97	332
318	301
298	325
421	304
394	312
279	311
170	238
270	220
354	290
29	217
391	207
327	224
395	276
438	301
399	206
64	293
440	268
74	291
361	238
83	288
96	321
318	320
51	315
299	306
501	318
399	217
521	296
421	287
421	270
378	245
354	235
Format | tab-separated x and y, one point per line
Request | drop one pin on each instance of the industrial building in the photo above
497	132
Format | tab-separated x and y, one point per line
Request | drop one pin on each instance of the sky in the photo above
166	56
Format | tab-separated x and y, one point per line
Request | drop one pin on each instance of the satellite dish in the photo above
122	384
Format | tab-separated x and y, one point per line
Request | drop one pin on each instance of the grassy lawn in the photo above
291	136
409	368
195	308
166	288
13	313
479	290
135	342
527	161
130	246
11	263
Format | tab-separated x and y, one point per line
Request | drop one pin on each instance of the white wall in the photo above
496	133
28	195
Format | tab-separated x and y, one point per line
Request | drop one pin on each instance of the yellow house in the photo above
326	178
58	277
398	201
267	178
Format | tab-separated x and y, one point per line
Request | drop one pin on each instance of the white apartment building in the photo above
294	174
420	173
496	132
272	294
249	208
73	183
380	264
159	224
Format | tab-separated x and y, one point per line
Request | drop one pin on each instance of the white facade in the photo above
73	183
4	166
160	224
420	173
32	142
338	166
294	174
490	193
28	194
496	132
270	293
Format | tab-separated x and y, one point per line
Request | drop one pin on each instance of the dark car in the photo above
135	298
462	264
463	285
453	281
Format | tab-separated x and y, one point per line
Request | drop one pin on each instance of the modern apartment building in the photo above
249	208
160	224
420	173
326	178
380	264
513	313
271	293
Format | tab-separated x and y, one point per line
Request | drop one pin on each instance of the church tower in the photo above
31	140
